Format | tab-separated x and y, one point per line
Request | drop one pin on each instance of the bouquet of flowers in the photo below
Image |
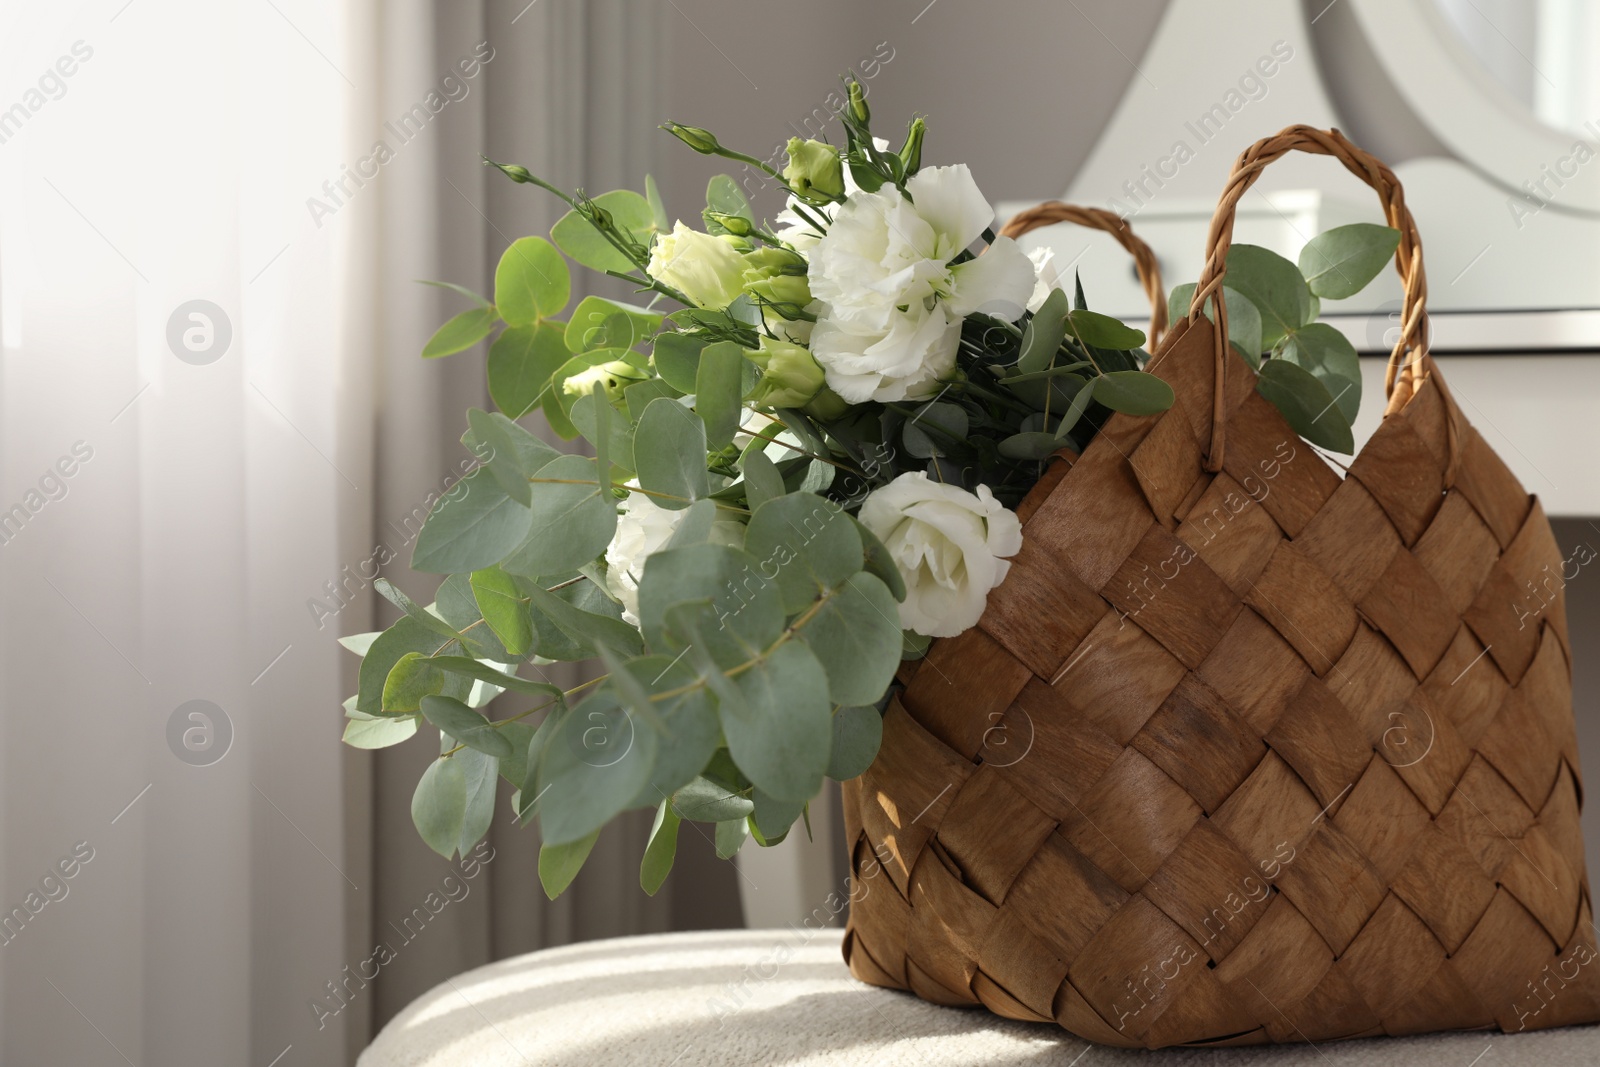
806	446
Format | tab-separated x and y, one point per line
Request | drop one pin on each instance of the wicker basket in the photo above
1242	750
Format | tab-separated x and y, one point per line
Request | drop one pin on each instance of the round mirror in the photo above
1541	52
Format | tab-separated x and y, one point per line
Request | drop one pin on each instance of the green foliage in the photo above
1339	263
461	332
531	283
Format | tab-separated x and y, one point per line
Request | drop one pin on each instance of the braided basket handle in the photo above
1144	260
1410	362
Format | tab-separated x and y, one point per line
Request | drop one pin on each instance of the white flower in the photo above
948	545
890	302
1047	276
643	529
705	268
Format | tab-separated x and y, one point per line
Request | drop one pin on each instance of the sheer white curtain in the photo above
213	416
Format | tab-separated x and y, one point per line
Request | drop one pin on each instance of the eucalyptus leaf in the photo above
747	609
588	630
578	238
504	460
1340	262
472	668
474	525
573	516
458	604
658	210
461	332
1306	404
1274	285
762	482
1044	333
410	681
934	427
724	196
1103	331
703	800
439	805
521	361
592	322
531	282
805	543
1133	392
593	766
405	636
466	726
687	727
560	864
855	635
880	563
780	728
730	838
482	776
394	595
670	454
660	850
1035	445
677	359
504	610
719	391
773	817
857	733
378	733
639	395
1331	359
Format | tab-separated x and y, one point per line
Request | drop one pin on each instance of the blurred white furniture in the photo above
754	998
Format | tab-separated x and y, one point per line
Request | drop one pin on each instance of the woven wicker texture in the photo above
1252	754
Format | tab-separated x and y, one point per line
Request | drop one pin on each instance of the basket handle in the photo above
1144	260
1410	362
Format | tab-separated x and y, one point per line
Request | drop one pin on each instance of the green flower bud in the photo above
614	377
911	152
790	376
702	141
826	406
815	171
858	103
516	173
737	225
777	277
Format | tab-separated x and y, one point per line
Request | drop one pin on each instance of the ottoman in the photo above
754	998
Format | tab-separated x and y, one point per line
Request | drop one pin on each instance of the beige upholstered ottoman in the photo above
755	998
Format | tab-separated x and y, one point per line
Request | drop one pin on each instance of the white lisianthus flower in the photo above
643	529
1047	276
703	267
949	546
891	302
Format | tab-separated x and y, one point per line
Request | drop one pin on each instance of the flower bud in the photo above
702	141
911	152
858	103
777	277
707	270
614	377
737	225
815	171
790	377
516	173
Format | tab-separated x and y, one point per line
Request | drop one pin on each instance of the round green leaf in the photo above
575	236
473	526
1339	263
531	282
413	679
521	361
595	763
572	519
378	733
855	635
560	864
465	725
439	805
669	451
780	727
806	544
1274	285
1133	392
857	733
747	613
1306	405
688	729
703	800
1332	360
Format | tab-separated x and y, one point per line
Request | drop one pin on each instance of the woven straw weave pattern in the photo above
1265	754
